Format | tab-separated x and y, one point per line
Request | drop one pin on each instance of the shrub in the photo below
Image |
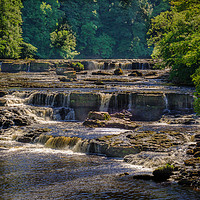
77	66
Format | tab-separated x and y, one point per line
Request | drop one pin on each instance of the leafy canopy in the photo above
175	35
10	28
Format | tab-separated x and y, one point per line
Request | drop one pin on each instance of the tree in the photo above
40	19
109	29
10	28
28	50
63	44
175	35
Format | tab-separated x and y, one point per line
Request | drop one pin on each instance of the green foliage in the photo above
10	28
61	29
196	80
176	38
27	50
104	46
110	29
77	66
40	18
63	44
159	6
107	117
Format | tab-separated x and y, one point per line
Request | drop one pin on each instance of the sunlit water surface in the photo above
31	171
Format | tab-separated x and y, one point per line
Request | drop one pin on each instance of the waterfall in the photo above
28	67
105	100
68	100
130	102
12	101
60	142
166	110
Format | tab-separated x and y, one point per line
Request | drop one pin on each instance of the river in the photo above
34	171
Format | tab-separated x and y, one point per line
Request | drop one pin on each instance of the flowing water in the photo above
34	171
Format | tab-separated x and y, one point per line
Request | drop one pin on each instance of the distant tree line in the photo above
76	28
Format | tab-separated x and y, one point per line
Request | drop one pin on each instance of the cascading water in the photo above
59	102
166	103
16	104
130	102
105	100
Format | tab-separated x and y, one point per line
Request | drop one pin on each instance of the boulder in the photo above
98	115
136	73
163	173
118	71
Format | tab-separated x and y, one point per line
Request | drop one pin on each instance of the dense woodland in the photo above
168	30
77	28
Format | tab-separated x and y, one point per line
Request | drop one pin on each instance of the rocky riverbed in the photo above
156	119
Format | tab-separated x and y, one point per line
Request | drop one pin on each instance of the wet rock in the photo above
124	114
103	73
39	66
64	79
151	73
21	121
179	119
70	74
82	73
118	71
105	146
98	115
3	93
83	103
31	135
99	82
163	173
111	123
197	154
2	102
24	139
13	66
7	123
136	73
